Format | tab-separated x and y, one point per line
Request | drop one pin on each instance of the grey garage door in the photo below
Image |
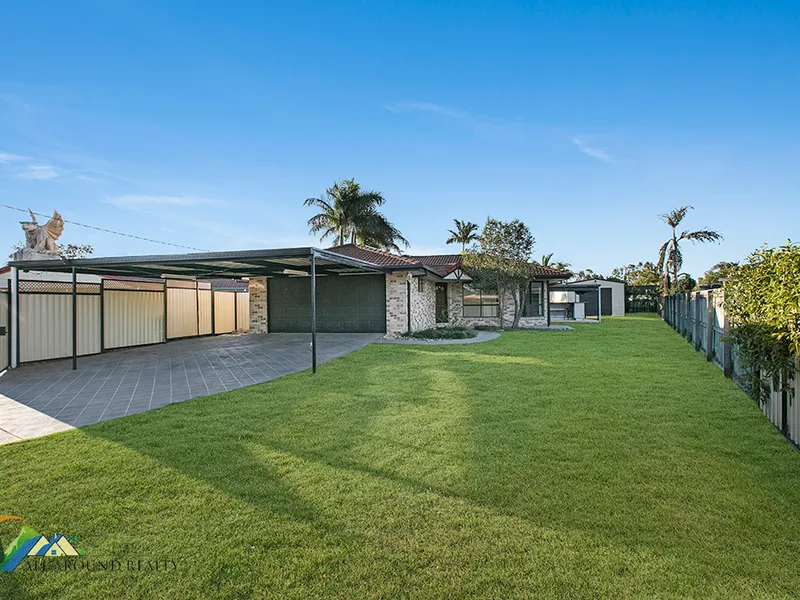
605	302
345	303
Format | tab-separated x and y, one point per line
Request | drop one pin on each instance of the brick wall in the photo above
258	305
396	301
456	315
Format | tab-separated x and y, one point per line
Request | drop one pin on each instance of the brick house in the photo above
428	291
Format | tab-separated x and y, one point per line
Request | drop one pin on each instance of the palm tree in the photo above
351	214
466	232
547	261
670	257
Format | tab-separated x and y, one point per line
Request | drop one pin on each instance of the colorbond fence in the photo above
700	318
113	314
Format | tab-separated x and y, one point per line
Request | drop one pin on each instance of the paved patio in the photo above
42	398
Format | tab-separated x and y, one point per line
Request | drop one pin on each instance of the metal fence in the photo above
700	318
111	314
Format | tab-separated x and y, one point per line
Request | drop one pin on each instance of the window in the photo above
420	284
479	304
534	300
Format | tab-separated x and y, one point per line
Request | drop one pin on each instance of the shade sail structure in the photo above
281	262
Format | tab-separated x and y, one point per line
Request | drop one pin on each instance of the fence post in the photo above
696	332
727	358
710	326
687	329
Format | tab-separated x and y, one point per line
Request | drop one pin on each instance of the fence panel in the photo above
133	316
5	322
242	311
224	319
182	317
204	297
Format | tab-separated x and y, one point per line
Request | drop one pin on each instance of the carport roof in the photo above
280	262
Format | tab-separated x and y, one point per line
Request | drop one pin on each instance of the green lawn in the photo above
610	461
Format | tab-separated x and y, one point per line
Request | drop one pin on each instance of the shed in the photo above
612	295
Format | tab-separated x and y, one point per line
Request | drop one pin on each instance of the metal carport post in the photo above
313	311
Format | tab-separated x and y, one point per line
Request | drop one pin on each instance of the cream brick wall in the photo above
423	303
396	303
456	314
258	305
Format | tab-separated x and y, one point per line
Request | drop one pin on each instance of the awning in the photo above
281	262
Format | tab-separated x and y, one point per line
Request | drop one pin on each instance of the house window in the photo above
420	284
534	300
479	304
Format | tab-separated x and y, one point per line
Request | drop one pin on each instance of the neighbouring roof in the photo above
595	280
441	264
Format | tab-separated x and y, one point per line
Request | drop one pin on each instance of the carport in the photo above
354	304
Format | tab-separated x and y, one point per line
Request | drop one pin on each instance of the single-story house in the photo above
582	298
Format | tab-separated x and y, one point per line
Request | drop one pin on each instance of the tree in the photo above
547	261
638	275
67	251
762	302
716	274
684	283
350	213
586	274
500	262
670	257
465	233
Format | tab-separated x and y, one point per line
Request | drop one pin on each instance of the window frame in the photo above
481	305
529	295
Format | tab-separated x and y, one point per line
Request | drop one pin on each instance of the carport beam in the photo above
313	312
74	319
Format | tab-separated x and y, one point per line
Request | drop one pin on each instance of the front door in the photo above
441	303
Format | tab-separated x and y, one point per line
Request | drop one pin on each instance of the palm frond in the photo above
703	235
662	256
676	215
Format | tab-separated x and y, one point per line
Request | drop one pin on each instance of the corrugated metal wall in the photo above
133	318
242	311
224	311
204	297
4	339
182	318
132	314
45	326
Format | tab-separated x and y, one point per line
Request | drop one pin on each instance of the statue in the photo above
40	241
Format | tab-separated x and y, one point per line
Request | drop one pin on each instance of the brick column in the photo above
258	305
396	303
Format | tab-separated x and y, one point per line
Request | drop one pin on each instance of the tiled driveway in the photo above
42	398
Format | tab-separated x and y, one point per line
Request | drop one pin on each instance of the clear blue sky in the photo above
208	123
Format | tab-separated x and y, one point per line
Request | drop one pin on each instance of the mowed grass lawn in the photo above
611	461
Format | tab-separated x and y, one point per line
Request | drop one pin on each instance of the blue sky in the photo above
207	124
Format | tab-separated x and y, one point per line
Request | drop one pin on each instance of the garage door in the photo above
345	303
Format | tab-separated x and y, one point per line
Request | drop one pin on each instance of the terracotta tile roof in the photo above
374	256
441	264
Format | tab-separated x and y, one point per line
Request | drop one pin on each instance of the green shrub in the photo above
443	333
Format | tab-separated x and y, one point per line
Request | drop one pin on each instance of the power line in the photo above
128	235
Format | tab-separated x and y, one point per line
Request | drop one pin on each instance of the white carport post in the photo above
313	311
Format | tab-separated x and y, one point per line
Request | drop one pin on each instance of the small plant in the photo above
443	333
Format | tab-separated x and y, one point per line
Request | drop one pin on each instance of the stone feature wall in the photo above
258	305
456	314
423	304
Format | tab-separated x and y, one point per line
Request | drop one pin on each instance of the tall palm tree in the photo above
465	232
670	257
349	213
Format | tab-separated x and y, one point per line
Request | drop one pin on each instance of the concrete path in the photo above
42	398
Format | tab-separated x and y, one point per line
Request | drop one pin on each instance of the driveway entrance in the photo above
42	398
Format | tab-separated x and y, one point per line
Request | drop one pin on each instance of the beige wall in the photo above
46	326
